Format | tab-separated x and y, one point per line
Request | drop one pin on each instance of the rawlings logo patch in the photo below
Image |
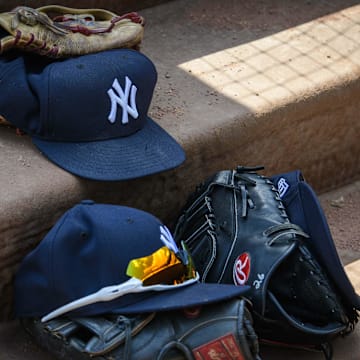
224	348
241	269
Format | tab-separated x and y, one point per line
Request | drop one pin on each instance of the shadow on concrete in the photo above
231	23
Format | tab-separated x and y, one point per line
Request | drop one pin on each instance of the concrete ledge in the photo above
272	85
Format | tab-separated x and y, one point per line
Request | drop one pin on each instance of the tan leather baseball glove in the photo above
58	31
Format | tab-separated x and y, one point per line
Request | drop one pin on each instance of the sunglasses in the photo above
165	269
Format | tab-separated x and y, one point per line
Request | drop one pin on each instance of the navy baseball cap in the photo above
88	114
89	248
304	209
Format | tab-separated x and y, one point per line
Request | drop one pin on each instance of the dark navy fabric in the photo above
89	114
89	248
304	209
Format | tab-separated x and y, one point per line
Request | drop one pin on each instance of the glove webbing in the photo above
85	30
308	295
33	17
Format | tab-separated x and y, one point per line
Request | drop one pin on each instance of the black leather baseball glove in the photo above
237	230
218	331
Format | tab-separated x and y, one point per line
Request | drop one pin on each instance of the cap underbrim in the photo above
148	151
322	242
197	294
304	209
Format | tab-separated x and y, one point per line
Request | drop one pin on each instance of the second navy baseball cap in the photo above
89	249
304	209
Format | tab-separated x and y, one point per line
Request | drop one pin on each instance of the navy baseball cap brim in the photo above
193	295
89	114
304	209
89	248
149	151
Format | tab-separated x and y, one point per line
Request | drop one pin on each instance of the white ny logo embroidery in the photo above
121	98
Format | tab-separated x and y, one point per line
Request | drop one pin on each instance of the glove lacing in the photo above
122	320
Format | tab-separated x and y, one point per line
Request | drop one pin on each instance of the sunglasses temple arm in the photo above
105	294
109	293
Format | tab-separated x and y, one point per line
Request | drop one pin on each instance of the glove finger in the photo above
101	335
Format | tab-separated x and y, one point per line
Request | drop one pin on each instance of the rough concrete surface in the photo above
284	75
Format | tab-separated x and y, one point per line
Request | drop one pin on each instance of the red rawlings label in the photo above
222	348
241	269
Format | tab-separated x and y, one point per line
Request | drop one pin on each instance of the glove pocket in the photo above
301	298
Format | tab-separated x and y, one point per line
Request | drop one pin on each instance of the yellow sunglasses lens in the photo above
161	267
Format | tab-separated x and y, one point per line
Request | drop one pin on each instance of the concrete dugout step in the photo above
275	84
